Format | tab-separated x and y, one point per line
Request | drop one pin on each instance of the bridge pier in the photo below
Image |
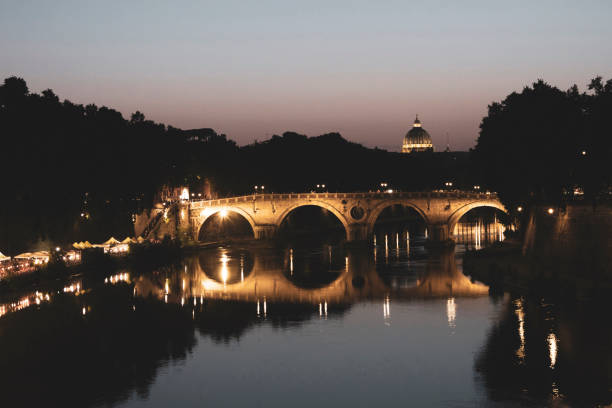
356	232
439	233
264	231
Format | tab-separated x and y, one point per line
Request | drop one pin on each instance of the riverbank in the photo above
140	257
504	268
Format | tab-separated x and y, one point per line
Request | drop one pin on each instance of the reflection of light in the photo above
325	308
291	261
84	311
320	309
241	268
224	270
552	347
386	248
387	308
223	213
451	312
397	243
521	329
258	307
167	287
265	307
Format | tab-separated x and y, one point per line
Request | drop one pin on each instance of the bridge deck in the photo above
362	195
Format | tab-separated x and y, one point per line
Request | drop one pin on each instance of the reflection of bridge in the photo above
356	211
357	281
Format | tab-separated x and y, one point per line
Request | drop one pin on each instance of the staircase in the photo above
153	223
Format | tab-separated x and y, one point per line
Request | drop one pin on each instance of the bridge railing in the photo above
350	196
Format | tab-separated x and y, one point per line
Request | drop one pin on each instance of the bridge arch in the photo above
376	211
207	213
315	203
454	218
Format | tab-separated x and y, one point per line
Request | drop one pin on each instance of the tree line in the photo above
544	145
80	172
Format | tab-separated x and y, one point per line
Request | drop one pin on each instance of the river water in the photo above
301	326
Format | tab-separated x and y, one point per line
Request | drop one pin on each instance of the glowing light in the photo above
552	348
451	312
550	211
57	249
224	270
519	209
223	213
185	194
387	308
521	329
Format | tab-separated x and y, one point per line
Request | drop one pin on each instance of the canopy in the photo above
86	244
4	257
140	240
33	255
128	240
111	241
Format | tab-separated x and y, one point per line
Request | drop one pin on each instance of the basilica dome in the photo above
417	139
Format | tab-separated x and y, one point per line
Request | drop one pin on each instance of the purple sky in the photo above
251	69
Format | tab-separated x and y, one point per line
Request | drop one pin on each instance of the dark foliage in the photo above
537	146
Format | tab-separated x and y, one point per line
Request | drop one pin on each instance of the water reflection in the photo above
309	277
540	353
110	339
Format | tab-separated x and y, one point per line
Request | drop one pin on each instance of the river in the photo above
390	325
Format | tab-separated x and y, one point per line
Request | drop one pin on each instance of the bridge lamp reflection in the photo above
224	270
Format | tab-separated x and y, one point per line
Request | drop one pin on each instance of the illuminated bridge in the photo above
357	212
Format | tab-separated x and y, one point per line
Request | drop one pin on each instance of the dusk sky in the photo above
251	69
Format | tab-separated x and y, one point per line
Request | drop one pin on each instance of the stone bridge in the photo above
357	212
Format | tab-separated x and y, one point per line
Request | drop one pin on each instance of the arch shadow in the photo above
283	216
376	211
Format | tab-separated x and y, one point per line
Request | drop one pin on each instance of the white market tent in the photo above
4	257
111	241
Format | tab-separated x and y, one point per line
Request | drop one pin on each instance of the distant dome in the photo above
417	139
